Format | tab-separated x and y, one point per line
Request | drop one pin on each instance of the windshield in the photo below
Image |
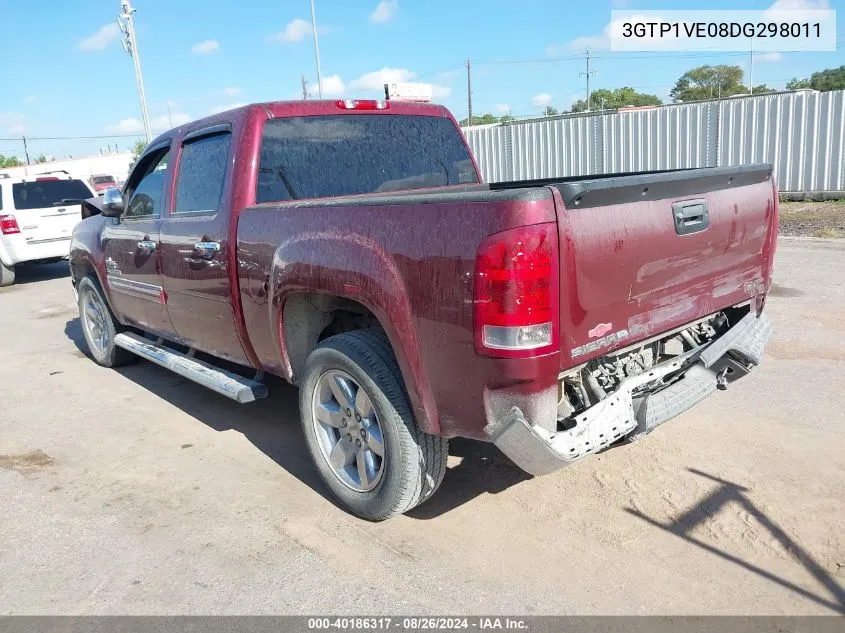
48	193
320	156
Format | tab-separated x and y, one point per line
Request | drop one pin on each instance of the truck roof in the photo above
314	107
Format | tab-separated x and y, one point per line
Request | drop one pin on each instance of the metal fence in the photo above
801	133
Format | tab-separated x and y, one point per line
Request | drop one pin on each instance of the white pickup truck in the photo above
37	216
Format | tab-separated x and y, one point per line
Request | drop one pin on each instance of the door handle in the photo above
207	250
690	216
146	246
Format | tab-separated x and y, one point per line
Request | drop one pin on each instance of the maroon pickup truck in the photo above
351	248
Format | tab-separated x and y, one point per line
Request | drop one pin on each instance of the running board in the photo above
224	382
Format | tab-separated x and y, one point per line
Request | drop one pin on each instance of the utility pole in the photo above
304	88
469	92
589	73
169	118
130	45
751	70
316	50
25	150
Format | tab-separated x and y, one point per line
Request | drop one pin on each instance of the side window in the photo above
145	188
202	171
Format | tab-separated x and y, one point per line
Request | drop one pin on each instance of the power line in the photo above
72	138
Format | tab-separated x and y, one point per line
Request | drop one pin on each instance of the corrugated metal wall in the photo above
801	133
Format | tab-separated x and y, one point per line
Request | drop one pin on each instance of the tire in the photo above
413	462
7	275
99	326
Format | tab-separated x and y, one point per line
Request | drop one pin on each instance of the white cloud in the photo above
333	86
768	57
504	108
222	108
206	47
376	79
541	100
295	31
99	40
157	124
440	92
773	13
30	99
800	5
13	122
592	42
384	11
231	91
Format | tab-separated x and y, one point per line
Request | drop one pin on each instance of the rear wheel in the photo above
359	429
7	275
100	327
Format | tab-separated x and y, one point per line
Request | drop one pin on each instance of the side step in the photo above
224	382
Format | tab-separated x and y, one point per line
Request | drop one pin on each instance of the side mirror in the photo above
112	203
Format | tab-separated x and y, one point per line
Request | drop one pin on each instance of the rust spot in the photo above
25	462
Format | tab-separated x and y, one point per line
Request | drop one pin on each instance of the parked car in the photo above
351	248
37	216
100	182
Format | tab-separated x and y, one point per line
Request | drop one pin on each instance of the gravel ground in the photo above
134	491
813	219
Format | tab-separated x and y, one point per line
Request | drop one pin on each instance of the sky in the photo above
65	73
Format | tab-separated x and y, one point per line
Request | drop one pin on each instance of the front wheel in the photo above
7	275
100	327
360	431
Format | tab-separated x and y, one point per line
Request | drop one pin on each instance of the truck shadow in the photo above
272	425
728	492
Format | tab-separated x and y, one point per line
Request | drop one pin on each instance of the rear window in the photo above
321	156
102	180
48	193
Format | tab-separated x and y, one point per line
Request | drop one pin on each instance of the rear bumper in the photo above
630	412
15	249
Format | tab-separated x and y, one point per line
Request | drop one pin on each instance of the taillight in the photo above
516	292
9	225
362	104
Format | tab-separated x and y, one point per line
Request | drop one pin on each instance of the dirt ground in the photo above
813	219
134	491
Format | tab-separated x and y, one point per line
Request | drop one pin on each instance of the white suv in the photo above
37	216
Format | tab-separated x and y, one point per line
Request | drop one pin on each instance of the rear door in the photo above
131	246
194	246
47	209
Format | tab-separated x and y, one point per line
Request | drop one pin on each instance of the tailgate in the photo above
644	254
48	224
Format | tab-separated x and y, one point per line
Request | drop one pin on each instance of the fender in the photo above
355	267
86	251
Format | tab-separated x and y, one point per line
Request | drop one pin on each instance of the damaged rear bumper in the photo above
631	410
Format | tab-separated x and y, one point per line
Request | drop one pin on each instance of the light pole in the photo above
130	45
316	50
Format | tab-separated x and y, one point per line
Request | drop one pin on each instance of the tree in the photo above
549	111
506	118
709	82
484	119
9	161
798	84
762	89
613	99
41	159
823	81
137	149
